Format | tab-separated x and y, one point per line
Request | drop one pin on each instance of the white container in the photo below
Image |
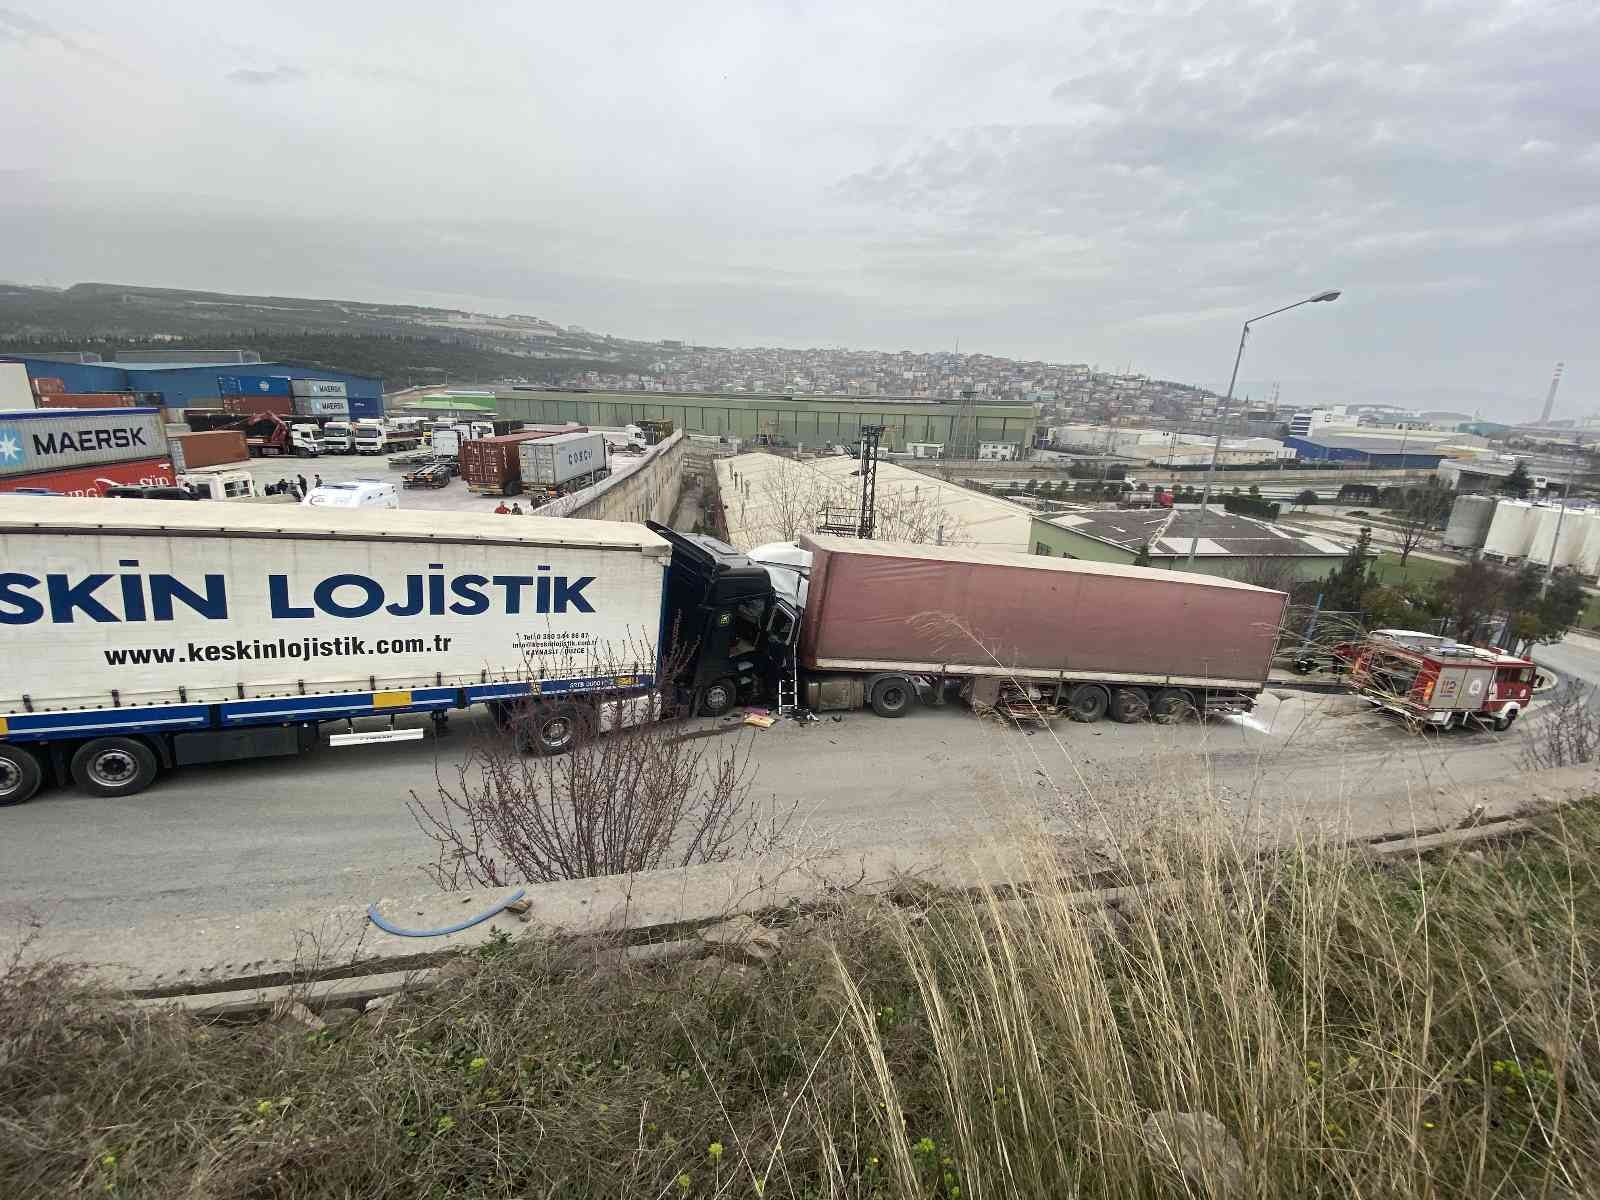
552	461
212	603
49	439
318	388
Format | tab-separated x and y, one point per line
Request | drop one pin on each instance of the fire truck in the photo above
1434	681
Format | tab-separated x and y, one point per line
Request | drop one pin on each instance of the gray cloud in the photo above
265	76
1112	182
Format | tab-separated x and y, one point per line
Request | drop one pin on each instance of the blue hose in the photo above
377	919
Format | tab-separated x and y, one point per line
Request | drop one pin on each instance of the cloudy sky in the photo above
1114	183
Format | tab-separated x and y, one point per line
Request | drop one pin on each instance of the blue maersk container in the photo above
252	385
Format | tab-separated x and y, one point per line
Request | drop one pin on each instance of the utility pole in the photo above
1216	445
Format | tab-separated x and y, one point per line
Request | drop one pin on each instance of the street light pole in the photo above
1216	445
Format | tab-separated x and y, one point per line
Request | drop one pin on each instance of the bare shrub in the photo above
1567	732
636	799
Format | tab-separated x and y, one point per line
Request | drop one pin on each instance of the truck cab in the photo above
338	437
727	636
306	440
370	437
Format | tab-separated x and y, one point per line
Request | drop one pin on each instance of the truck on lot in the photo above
1432	680
562	462
380	437
492	465
338	437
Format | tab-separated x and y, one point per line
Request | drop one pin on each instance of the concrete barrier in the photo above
646	490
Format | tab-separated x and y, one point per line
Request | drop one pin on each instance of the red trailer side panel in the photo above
976	611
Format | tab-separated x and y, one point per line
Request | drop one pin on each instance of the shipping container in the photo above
91	400
561	458
50	439
282	406
490	464
190	451
318	388
252	385
48	385
944	611
93	481
321	406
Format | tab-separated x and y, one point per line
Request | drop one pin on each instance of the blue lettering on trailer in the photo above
59	598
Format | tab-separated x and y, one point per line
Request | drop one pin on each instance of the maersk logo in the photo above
11	451
264	385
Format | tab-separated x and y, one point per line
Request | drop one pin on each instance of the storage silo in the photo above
1589	558
1470	518
1512	530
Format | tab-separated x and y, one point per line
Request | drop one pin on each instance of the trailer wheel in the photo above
1171	706
1130	705
1504	720
114	766
717	698
1087	702
891	697
20	775
555	728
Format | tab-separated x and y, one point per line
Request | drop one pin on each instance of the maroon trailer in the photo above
885	621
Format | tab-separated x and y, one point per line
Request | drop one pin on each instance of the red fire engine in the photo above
1436	681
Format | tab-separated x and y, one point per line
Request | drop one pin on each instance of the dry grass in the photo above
1414	1031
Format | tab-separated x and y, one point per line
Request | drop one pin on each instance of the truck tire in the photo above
1171	706
20	775
892	697
554	728
1504	721
1130	705
114	766
717	698
1087	702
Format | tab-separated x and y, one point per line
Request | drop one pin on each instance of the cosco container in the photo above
561	458
252	385
50	439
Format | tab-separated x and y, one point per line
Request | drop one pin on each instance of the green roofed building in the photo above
787	420
1231	546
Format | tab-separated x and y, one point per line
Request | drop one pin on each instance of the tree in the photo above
1142	559
1519	483
1305	499
1471	596
1422	510
1347	583
1560	608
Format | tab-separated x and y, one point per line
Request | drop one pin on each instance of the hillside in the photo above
402	343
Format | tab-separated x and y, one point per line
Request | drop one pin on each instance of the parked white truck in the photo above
158	635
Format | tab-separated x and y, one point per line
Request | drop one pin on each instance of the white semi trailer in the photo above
143	635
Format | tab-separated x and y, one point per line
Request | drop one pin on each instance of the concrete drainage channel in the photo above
730	941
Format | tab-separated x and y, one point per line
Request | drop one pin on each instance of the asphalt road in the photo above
333	827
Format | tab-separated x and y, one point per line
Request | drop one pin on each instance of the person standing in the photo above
304	487
319	481
516	510
501	508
